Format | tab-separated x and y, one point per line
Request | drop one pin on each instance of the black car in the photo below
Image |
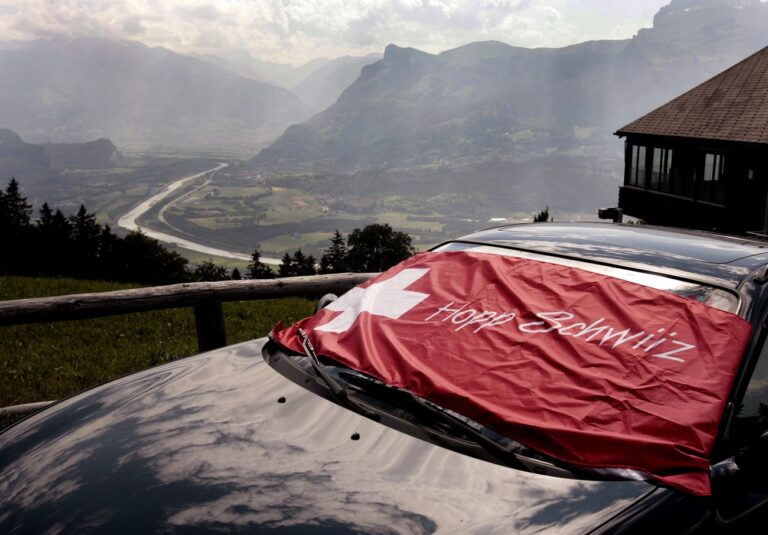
258	438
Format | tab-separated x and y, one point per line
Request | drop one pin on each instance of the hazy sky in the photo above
294	31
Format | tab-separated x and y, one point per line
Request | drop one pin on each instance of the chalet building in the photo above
701	160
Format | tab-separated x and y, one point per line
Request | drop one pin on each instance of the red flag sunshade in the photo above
593	370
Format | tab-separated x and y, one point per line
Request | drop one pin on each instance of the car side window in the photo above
752	412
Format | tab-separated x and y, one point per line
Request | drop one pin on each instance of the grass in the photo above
213	211
282	206
197	258
305	240
52	360
400	220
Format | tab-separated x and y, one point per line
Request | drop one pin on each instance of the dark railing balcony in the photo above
660	208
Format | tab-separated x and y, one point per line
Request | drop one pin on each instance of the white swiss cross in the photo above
388	298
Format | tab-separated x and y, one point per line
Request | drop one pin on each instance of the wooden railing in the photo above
205	297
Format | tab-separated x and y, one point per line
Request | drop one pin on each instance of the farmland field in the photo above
242	215
110	192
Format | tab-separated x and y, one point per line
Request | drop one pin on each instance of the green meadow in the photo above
47	361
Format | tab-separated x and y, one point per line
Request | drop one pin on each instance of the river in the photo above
128	222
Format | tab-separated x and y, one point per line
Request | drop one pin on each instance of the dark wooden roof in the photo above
732	106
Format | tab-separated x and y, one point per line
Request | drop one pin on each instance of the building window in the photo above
711	187
637	167
713	167
650	168
660	170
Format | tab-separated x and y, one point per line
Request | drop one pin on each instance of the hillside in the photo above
98	154
491	101
77	89
32	161
18	158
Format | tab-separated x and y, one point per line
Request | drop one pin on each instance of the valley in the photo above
128	220
434	143
240	209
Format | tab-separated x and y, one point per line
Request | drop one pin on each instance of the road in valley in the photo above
128	222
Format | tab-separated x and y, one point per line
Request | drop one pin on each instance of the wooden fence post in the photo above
209	321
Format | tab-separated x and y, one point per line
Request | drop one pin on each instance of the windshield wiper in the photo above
500	452
408	401
425	410
338	392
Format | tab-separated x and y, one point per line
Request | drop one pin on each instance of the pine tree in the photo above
236	276
84	225
543	216
85	243
286	266
257	269
48	244
14	210
335	258
54	241
79	247
15	231
305	265
302	264
46	216
107	247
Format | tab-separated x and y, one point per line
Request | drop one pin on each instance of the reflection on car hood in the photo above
222	442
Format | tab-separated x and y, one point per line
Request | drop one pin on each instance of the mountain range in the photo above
75	89
524	127
489	100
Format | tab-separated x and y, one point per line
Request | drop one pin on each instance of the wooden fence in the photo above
205	297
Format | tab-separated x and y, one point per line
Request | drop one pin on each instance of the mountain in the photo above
278	74
18	158
488	101
64	89
98	154
413	108
324	86
35	162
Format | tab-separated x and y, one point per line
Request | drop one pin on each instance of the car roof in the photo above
705	257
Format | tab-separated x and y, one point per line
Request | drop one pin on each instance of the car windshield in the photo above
709	295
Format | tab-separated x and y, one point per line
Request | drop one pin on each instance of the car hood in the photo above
222	442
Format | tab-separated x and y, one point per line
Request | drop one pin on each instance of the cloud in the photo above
133	26
206	12
297	30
